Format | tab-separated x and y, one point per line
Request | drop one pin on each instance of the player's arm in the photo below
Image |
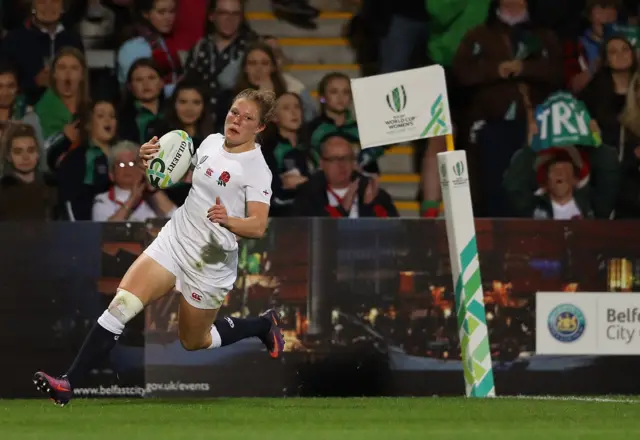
254	225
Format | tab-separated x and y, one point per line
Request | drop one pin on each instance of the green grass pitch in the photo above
312	419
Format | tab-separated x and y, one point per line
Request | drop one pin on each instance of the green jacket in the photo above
597	199
449	22
53	114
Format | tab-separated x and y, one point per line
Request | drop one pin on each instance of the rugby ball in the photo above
172	160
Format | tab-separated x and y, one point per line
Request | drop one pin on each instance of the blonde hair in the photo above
630	116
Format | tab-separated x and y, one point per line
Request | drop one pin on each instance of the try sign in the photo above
563	120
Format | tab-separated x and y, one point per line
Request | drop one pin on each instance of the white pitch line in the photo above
573	399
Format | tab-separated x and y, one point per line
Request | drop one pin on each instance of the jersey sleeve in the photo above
258	188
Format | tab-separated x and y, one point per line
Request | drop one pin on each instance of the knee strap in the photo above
125	306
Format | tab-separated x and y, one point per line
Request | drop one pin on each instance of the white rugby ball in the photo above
172	160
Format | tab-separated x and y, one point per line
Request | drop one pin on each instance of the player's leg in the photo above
201	329
145	281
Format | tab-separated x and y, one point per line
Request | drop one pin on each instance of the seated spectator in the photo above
292	84
131	198
66	100
338	190
511	67
336	117
188	110
217	58
32	46
563	183
628	205
25	192
259	70
13	104
582	57
143	102
606	94
294	160
79	158
155	23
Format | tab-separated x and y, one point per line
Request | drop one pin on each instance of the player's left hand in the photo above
218	213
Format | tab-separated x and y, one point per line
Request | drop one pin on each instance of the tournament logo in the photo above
458	169
566	323
397	99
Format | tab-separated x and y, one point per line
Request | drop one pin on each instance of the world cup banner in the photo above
401	106
587	323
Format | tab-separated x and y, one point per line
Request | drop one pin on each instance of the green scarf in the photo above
53	114
91	156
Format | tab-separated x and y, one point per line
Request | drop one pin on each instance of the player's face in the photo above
47	11
259	67
619	55
24	154
338	95
8	90
561	179
189	106
162	16
227	17
146	84
338	161
125	172
288	113
68	76
103	122
242	122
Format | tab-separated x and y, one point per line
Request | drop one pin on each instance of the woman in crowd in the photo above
130	198
25	192
155	23
79	159
292	159
260	70
606	94
143	103
66	100
188	110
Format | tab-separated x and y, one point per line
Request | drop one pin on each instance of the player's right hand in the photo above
149	150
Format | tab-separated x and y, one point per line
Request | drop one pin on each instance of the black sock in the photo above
96	347
232	330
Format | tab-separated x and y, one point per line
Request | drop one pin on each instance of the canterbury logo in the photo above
231	324
397	99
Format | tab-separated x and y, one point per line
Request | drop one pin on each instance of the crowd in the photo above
70	133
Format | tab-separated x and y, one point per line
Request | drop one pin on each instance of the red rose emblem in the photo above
224	178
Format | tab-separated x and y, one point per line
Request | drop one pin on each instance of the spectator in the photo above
25	192
512	67
448	23
130	198
13	104
32	46
628	205
143	103
260	70
217	58
66	101
294	161
188	110
606	94
336	117
563	183
338	190
155	23
190	25
80	161
292	84
583	57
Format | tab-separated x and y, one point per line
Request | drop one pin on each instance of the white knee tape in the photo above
125	306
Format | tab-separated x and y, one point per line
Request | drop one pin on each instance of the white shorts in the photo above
206	288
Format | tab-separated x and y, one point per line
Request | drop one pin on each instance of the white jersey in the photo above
205	251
